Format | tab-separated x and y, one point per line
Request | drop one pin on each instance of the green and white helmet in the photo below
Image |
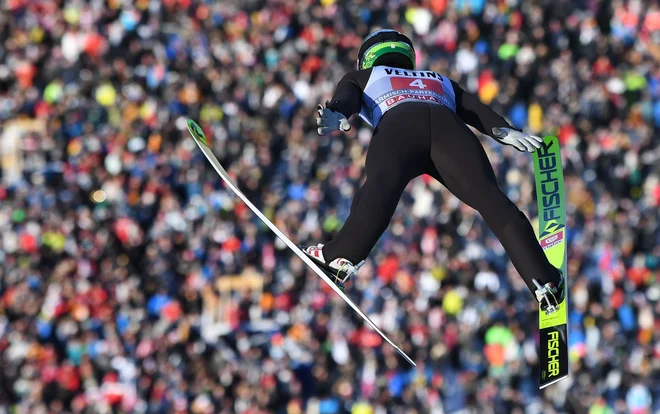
386	47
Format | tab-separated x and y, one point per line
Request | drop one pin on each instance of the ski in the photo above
549	178
200	138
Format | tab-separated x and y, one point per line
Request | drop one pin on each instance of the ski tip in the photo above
197	132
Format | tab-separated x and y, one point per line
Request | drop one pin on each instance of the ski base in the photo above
549	178
553	349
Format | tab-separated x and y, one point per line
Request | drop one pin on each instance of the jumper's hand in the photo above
330	121
518	139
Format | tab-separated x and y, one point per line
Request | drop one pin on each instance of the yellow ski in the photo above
549	177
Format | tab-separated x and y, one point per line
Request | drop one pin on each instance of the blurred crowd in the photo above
131	279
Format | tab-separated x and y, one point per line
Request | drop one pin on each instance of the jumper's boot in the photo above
339	270
550	295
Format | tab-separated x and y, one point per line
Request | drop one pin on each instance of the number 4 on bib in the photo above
418	83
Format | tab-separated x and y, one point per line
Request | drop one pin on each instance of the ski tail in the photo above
551	199
200	138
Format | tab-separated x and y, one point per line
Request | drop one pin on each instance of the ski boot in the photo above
339	270
549	295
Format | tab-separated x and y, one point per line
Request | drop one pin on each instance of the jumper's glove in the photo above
330	121
518	139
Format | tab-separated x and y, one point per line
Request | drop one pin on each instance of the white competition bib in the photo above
388	87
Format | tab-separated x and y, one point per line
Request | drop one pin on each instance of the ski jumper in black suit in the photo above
420	122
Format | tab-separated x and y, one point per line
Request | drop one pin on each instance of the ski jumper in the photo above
419	120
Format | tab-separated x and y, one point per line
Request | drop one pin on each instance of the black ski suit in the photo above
415	138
